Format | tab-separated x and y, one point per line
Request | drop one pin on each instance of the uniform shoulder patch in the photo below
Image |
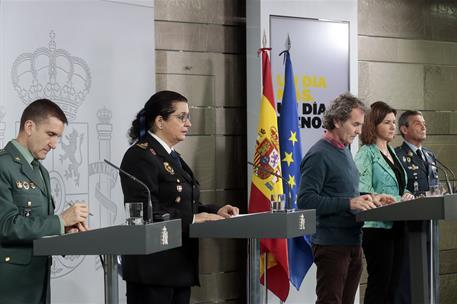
143	145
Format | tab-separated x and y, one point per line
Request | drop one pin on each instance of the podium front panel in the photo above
114	240
259	225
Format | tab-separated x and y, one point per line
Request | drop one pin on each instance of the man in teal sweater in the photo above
330	184
27	208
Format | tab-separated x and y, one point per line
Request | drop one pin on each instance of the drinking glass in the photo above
278	202
134	213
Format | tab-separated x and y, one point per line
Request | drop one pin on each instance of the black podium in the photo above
113	241
256	226
416	213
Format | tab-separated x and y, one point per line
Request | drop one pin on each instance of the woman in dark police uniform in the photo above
164	277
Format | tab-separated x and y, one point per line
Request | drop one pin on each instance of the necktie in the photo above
419	152
176	159
421	155
36	167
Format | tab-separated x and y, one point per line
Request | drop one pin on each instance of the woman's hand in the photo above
228	211
205	217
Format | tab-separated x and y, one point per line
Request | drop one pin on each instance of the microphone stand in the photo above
149	205
452	190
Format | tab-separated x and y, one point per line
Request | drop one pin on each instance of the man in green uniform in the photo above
27	208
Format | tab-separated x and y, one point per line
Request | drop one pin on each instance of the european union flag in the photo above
300	254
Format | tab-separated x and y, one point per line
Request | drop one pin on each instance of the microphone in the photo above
149	205
451	189
288	196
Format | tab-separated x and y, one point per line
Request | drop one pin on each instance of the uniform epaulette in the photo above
143	145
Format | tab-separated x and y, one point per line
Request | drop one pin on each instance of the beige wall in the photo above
408	58
200	52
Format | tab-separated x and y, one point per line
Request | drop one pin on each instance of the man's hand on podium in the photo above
362	203
75	217
383	199
78	227
228	211
407	197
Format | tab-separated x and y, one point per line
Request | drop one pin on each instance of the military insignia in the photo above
408	159
19	184
17	158
32	185
26	185
179	188
153	152
410	153
143	145
178	200
168	168
404	159
415	167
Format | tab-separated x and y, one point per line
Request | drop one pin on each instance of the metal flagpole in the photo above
265	270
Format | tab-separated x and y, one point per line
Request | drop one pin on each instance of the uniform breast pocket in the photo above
18	256
30	205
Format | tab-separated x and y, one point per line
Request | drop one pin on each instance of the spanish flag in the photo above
264	185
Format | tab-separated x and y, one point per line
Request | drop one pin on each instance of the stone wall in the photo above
200	52
408	58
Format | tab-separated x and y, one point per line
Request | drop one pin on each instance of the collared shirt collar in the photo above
332	140
25	153
413	147
162	142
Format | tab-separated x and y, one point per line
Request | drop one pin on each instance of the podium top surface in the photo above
122	239
420	209
259	225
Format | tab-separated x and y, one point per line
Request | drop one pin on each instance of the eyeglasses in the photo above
183	117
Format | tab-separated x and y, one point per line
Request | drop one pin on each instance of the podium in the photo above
113	241
416	213
254	226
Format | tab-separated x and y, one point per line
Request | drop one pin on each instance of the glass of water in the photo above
134	213
278	202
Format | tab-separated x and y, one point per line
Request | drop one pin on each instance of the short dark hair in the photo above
161	103
375	116
340	109
42	109
404	119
